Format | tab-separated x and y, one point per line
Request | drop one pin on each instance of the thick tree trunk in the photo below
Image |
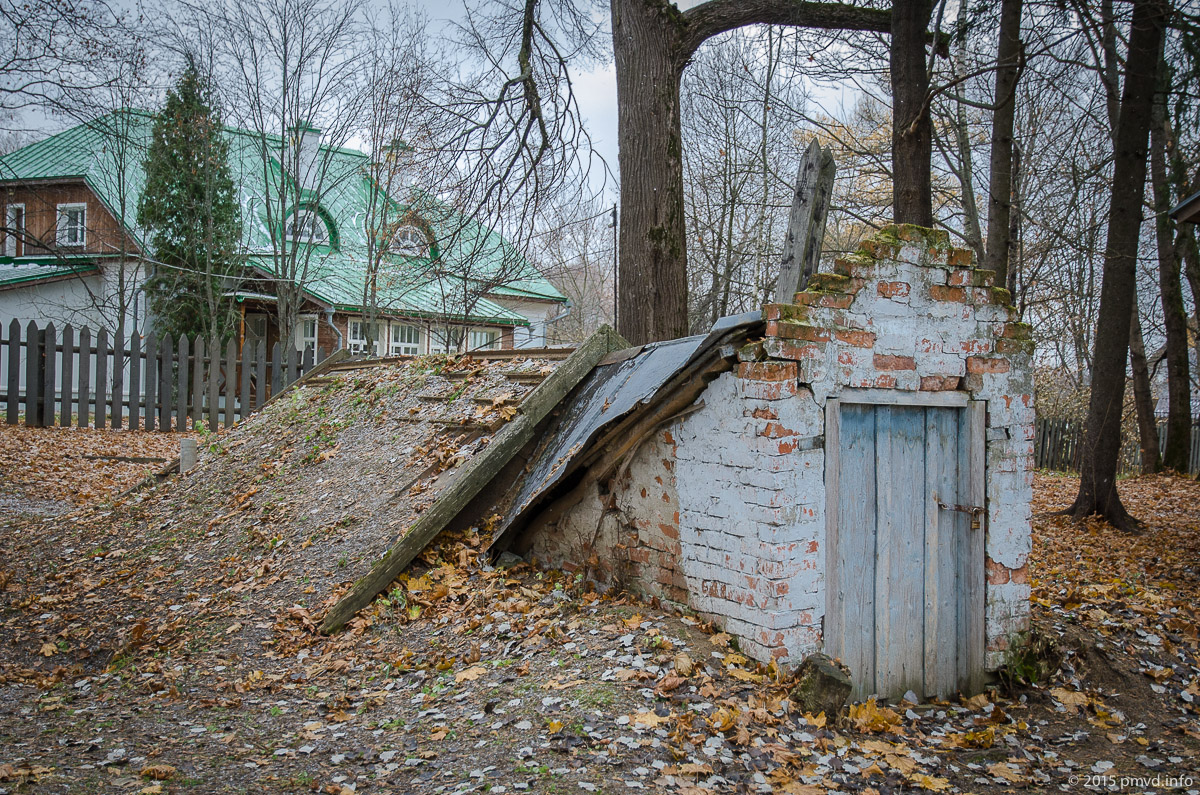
912	131
653	265
1000	187
1143	399
1098	471
1170	250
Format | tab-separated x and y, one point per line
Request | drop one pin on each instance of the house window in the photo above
256	327
357	337
483	340
409	240
14	221
307	226
444	340
405	341
306	333
72	225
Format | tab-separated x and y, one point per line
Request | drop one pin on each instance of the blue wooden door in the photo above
905	554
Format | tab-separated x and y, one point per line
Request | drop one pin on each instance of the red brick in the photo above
797	351
894	289
939	383
959	278
764	414
1020	576
1011	346
829	300
987	364
774	430
767	371
670	531
997	573
885	382
797	331
885	362
960	258
940	292
859	339
768	390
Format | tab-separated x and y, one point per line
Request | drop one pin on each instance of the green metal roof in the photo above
468	253
23	272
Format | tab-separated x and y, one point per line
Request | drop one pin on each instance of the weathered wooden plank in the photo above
855	561
942	531
13	414
246	368
835	596
116	395
33	375
67	377
260	374
293	367
102	362
306	364
49	371
182	356
900	545
476	474
166	380
197	412
806	222
212	381
276	370
151	384
83	416
230	380
973	558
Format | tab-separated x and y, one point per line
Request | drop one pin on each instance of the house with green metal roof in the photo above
430	278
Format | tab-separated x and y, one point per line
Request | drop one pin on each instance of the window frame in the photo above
397	347
60	230
313	213
304	341
495	339
421	249
13	243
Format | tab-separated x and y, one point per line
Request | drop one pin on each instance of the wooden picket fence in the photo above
1058	446
139	382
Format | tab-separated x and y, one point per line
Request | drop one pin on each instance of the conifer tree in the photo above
190	211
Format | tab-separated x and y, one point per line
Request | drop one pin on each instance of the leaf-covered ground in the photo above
50	470
167	644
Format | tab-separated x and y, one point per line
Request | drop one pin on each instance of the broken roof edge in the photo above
475	475
627	396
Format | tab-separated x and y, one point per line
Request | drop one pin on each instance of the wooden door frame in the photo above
976	420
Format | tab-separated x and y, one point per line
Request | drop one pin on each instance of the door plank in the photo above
900	545
834	629
854	600
972	557
941	551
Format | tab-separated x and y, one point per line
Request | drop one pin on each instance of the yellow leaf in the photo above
158	772
817	720
976	703
744	675
931	783
1073	700
469	675
648	719
693	769
554	726
869	717
153	789
634	621
1004	771
723	719
49	650
721	639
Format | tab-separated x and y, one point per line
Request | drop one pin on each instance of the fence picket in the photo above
166	380
276	368
230	381
197	381
293	367
85	377
49	370
67	396
135	383
244	391
101	377
14	372
151	391
214	373
116	390
33	356
181	386
260	374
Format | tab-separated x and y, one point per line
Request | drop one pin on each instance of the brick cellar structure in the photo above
752	510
